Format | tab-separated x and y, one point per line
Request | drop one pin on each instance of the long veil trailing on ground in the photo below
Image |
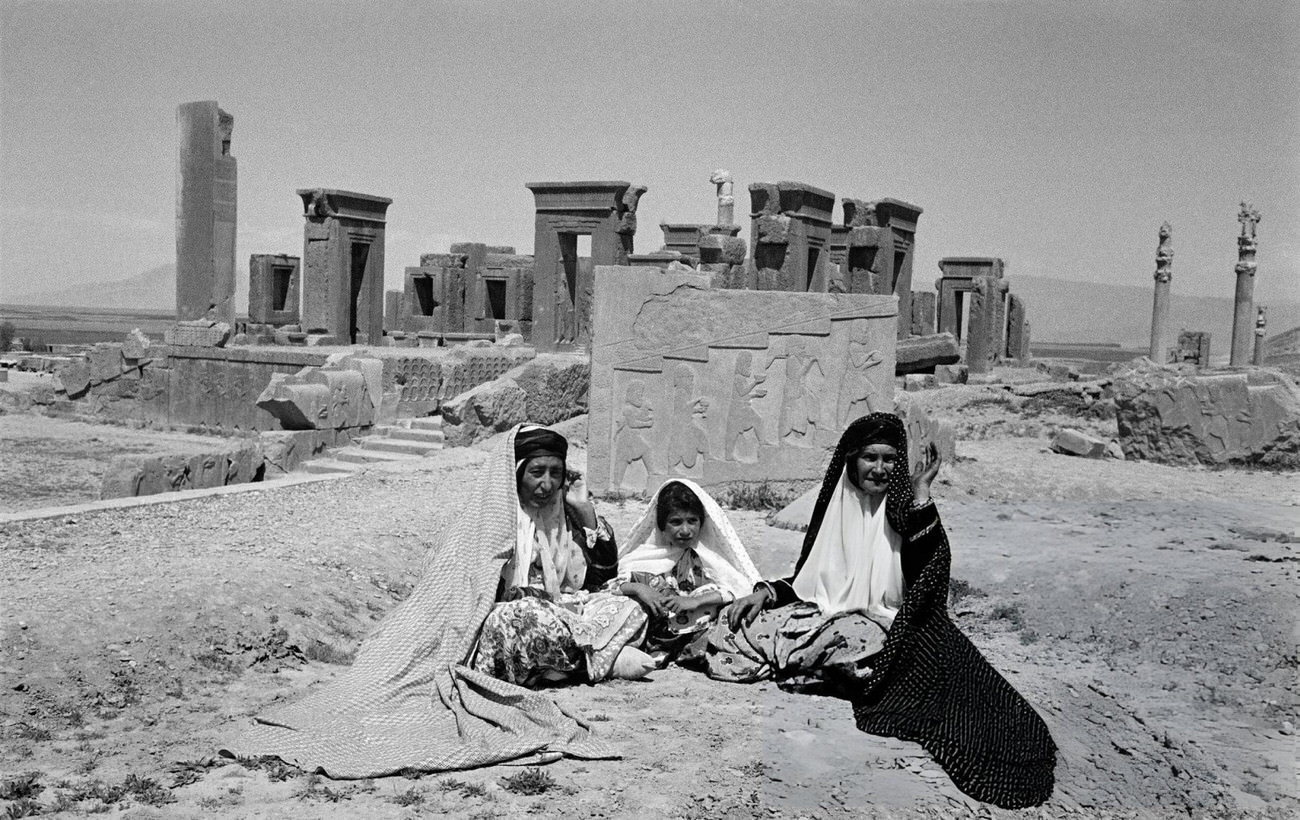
409	702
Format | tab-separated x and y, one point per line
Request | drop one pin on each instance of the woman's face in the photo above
682	528
541	479
870	467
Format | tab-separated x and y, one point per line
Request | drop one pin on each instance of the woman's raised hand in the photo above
925	473
577	497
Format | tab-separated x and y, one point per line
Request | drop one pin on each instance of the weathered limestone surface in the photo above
1073	442
206	178
1169	416
759	391
274	289
545	390
344	393
129	476
197	333
923	313
923	353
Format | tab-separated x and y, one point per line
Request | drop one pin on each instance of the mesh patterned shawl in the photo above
409	702
930	684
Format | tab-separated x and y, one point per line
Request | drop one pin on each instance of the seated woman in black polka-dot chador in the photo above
864	617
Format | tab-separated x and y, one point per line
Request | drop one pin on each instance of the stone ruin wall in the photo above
760	391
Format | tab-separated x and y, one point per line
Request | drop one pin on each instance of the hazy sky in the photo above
1057	135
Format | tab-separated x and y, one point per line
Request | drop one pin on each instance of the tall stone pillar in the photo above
205	214
726	202
1243	304
1261	325
1158	352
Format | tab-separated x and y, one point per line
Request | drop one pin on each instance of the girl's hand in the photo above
651	600
925	473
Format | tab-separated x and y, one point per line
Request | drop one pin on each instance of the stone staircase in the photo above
405	440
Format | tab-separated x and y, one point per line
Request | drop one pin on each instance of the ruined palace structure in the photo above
874	250
465	293
205	214
343	265
1243	309
274	289
763	387
976	307
562	280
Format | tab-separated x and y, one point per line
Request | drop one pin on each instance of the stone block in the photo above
136	346
122	478
105	361
199	333
74	378
759	391
1222	419
484	411
1073	442
555	385
923	354
950	373
296	406
923	313
913	382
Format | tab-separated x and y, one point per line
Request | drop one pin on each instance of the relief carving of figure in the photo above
857	386
742	418
801	399
630	444
687	438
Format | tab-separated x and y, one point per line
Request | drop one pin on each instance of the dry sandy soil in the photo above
1148	613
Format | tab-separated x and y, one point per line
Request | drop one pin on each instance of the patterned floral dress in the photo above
531	637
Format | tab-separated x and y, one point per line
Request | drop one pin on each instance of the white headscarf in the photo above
854	563
542	537
724	559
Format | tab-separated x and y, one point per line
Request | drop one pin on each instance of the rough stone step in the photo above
426	423
358	455
321	466
426	436
408	448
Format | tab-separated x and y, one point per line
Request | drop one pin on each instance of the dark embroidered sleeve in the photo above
782	592
598	547
927	534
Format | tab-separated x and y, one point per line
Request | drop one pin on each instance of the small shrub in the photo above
450	784
147	790
599	717
27	731
22	787
754	496
528	782
328	653
959	590
473	790
410	797
1010	613
22	808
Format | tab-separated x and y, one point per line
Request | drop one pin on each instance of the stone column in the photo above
1159	352
1243	304
205	214
1261	322
726	202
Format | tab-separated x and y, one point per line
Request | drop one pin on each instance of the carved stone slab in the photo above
727	385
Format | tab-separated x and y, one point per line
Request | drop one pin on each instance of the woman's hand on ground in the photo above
925	473
745	610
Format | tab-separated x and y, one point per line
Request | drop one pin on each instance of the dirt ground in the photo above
1147	612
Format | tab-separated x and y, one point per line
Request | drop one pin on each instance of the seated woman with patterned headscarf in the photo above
864	617
552	622
682	561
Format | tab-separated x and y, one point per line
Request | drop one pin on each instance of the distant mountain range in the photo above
154	289
1062	310
1059	310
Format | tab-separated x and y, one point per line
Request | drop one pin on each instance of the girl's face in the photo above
541	479
682	528
870	467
